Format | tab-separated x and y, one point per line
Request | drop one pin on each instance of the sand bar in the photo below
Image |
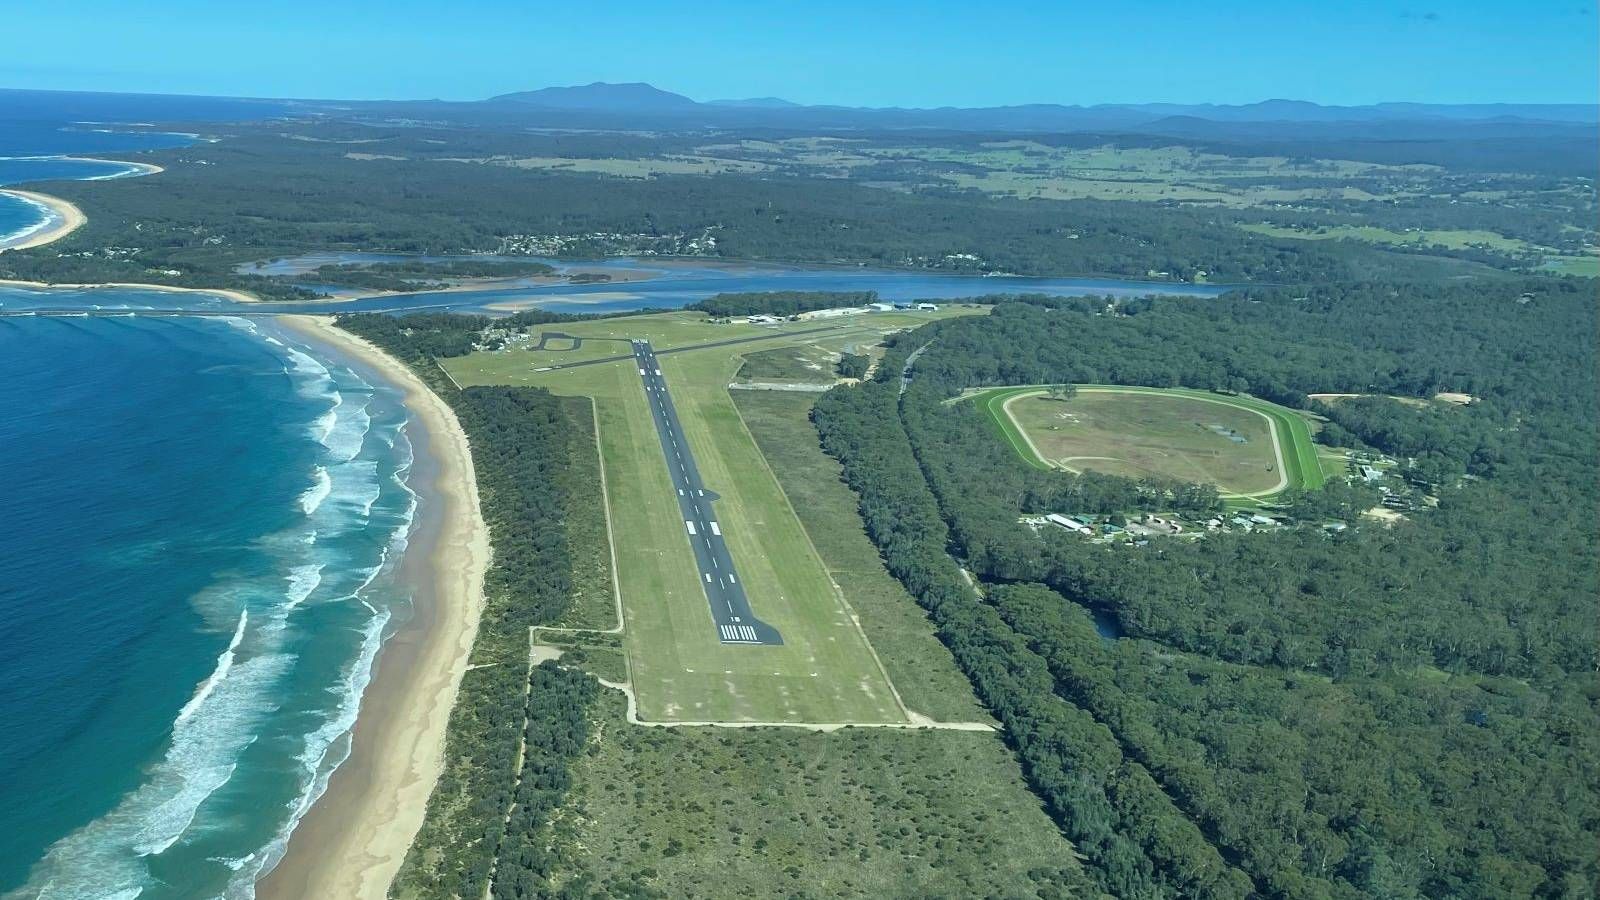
239	296
352	842
63	219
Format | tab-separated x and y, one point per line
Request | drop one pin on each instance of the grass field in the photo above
1455	239
1587	266
588	535
791	363
1136	431
826	670
1032	170
674	812
919	665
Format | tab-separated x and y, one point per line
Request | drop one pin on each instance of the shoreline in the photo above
353	840
230	293
142	168
63	219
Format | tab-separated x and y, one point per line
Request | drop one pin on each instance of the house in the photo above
881	307
1369	474
926	306
763	320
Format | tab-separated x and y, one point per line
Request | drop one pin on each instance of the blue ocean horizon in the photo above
197	543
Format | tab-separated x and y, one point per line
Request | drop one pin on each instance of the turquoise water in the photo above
18	217
196	547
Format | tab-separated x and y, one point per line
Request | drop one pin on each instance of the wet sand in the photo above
64	219
353	840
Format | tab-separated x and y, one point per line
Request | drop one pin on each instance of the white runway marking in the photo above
690	525
738	634
715	530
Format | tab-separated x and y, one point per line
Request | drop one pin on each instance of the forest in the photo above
780	303
1325	715
421	275
261	194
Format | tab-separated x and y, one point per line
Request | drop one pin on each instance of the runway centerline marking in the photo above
726	598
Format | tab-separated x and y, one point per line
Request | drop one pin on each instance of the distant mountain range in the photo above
636	98
1548	138
630	97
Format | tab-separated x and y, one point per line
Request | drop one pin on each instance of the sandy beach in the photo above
231	294
142	168
353	840
64	219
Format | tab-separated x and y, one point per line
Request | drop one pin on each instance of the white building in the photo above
1069	523
833	313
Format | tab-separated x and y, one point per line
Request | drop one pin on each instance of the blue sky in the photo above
929	53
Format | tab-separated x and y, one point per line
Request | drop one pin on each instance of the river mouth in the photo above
648	283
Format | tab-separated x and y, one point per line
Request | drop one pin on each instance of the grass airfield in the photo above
825	672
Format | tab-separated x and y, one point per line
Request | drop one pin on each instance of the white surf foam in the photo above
321	487
103	858
323	425
325	749
348	434
48	219
314	379
303	580
224	663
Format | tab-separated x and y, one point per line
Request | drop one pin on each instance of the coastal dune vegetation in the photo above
513	730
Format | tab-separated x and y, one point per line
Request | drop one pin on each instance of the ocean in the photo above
196	554
19	217
199	532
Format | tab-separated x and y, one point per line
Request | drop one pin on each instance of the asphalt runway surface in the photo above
730	608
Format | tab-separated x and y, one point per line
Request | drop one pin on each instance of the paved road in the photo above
730	609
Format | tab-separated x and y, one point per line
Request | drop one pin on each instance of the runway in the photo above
730	608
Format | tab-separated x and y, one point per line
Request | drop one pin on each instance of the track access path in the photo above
730	607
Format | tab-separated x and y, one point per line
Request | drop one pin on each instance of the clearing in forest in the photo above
825	671
1244	446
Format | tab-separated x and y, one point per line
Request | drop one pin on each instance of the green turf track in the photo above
994	402
1293	432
